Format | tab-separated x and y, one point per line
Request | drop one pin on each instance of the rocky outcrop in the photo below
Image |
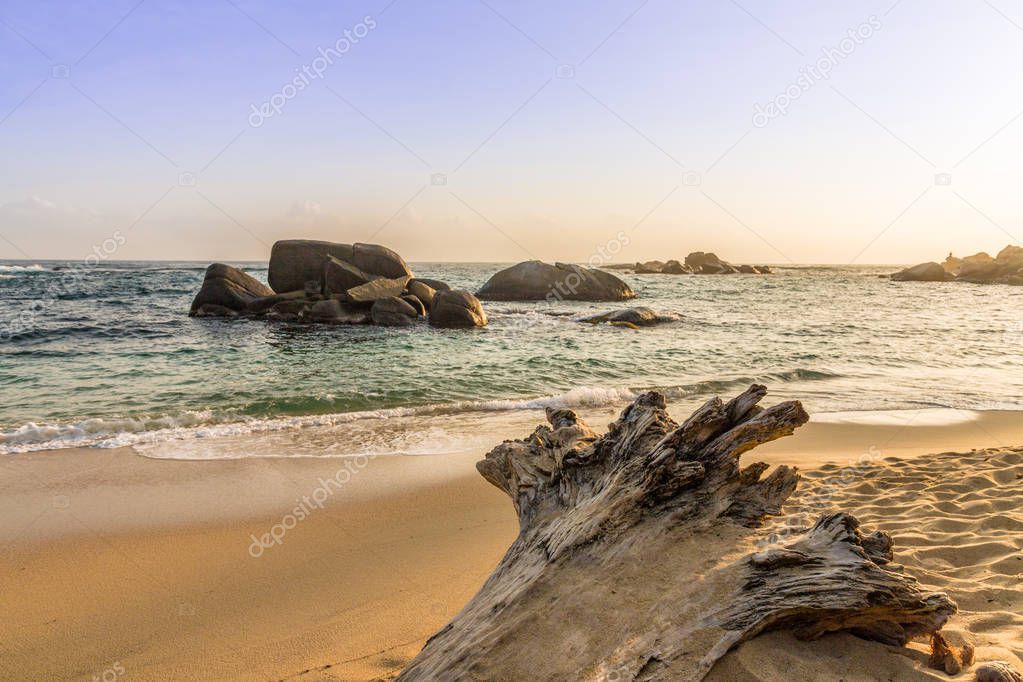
696	263
339	276
423	291
393	312
538	281
377	289
336	284
925	272
457	309
434	284
639	316
980	268
228	288
293	262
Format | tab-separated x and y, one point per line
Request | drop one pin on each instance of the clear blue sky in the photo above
556	126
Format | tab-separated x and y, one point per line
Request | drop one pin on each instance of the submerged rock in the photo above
229	288
537	281
639	316
457	309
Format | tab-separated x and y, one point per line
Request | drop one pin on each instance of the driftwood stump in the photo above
632	561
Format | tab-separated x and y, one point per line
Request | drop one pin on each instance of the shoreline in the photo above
115	558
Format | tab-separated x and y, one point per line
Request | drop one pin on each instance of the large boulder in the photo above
377	289
293	262
457	309
339	276
393	312
925	272
537	281
434	284
229	288
379	260
423	291
709	264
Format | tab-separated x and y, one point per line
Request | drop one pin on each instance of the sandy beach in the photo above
117	564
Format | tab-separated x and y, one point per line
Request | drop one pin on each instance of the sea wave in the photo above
35	267
113	433
118	432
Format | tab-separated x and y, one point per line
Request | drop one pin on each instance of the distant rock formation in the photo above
696	263
326	283
925	272
980	268
538	281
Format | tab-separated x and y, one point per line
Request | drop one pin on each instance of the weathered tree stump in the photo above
632	558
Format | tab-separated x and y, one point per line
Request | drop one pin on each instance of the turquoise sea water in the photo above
107	355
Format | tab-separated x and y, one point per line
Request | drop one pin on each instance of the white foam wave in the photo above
113	433
22	268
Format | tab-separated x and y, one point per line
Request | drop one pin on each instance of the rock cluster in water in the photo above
980	268
324	282
696	263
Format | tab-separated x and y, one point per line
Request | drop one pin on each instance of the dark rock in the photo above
379	260
639	316
313	289
336	312
416	303
764	269
262	305
293	262
748	270
289	309
377	289
393	312
457	309
424	292
214	310
673	267
925	272
709	264
228	287
434	284
651	267
536	281
339	276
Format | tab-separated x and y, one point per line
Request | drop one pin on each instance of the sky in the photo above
504	130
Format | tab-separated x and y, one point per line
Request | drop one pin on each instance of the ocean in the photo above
105	355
